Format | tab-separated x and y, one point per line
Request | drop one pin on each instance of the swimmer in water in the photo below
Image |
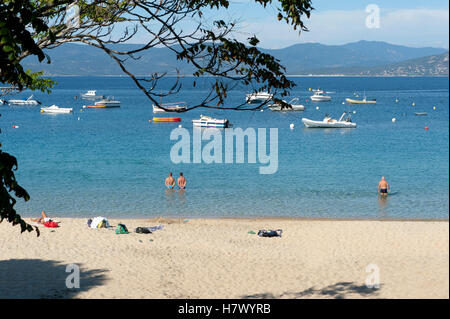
170	181
383	187
181	181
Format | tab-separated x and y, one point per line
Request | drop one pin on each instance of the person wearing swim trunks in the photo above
170	181
181	181
383	187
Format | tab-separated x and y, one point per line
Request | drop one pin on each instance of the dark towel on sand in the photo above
270	233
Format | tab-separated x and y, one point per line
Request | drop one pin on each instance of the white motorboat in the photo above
29	101
105	103
319	96
294	107
344	121
206	121
171	107
258	97
91	95
56	109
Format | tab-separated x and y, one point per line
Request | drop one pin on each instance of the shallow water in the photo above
113	161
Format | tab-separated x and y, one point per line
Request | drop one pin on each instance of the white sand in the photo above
217	258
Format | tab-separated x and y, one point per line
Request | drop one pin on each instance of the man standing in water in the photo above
170	181
181	181
383	187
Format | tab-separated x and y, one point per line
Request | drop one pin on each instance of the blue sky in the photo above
406	22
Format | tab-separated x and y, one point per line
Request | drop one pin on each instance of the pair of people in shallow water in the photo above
170	181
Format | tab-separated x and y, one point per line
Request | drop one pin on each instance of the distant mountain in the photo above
435	65
76	59
302	57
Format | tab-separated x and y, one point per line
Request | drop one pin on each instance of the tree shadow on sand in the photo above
339	290
37	278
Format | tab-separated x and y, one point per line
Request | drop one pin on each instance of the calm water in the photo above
113	162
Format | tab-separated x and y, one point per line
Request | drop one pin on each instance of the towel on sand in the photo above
97	220
270	233
147	230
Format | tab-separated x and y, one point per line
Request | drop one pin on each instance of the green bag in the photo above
121	229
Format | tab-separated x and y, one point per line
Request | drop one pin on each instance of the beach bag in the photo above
102	224
51	224
121	229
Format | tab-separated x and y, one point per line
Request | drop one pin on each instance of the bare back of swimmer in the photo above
383	187
181	181
170	181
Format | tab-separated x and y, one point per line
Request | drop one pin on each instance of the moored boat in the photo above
167	119
207	121
169	107
363	101
319	96
343	122
258	97
105	103
276	107
91	95
29	101
56	109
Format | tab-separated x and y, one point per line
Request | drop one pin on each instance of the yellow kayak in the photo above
364	101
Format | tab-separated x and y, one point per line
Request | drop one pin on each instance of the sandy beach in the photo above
219	258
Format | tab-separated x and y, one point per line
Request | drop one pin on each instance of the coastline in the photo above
287	75
219	258
86	216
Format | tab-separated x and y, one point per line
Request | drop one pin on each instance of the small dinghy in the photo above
56	109
421	113
276	107
343	122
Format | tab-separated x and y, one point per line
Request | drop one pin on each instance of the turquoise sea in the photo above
113	162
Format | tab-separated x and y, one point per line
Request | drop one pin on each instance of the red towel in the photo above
51	224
